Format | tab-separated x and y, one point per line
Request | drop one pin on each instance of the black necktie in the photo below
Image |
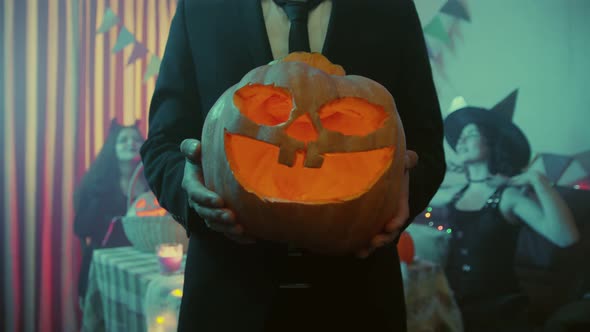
297	11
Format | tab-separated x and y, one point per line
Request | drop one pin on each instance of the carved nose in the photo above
302	129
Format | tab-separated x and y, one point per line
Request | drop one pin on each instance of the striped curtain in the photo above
60	85
38	96
109	87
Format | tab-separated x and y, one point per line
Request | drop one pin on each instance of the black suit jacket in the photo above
212	44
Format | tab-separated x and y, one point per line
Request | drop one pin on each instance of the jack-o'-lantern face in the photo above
147	205
299	131
310	137
299	165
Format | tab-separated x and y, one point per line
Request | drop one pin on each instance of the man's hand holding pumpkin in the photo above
392	228
205	202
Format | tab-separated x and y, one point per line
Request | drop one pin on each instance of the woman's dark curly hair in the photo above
499	159
103	175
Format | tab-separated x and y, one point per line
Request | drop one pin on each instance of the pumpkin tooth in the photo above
313	159
287	156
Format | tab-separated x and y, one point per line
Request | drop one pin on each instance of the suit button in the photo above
464	251
294	286
294	251
466	267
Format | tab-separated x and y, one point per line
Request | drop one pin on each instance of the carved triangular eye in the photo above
302	129
264	104
352	116
140	204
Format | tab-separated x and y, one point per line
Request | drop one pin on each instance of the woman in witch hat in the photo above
102	195
486	214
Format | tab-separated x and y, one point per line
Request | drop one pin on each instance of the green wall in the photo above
541	47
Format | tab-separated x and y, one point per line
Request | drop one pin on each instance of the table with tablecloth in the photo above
117	286
127	292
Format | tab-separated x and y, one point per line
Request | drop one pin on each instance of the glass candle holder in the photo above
170	257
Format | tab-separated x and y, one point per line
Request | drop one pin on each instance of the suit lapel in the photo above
338	25
329	34
252	23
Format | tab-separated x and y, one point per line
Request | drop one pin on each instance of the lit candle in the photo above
170	257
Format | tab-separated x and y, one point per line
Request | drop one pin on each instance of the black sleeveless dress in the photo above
480	266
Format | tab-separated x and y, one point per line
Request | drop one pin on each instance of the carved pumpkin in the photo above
306	155
146	205
405	248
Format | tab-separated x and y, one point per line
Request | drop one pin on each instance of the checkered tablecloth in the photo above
127	293
118	282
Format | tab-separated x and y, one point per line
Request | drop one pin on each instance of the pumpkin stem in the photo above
315	59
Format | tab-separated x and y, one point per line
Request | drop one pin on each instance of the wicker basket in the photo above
146	233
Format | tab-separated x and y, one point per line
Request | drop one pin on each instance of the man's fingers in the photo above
219	220
199	194
363	253
204	201
204	197
377	242
221	227
400	219
397	222
403	210
410	159
392	228
191	148
382	239
221	216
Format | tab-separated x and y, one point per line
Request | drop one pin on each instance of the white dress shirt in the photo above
278	25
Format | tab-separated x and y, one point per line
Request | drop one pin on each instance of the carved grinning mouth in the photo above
342	176
330	177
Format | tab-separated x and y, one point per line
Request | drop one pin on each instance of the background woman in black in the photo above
486	214
102	194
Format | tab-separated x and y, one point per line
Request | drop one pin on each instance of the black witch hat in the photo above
498	122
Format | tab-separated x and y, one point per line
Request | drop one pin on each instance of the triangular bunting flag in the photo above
455	8
109	20
437	30
536	164
555	165
153	68
428	9
438	59
430	52
125	38
584	159
139	51
573	173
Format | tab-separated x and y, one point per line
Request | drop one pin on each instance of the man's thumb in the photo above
191	148
410	159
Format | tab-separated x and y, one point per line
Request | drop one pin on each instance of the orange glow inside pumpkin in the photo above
302	129
142	209
270	106
343	176
264	104
352	116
